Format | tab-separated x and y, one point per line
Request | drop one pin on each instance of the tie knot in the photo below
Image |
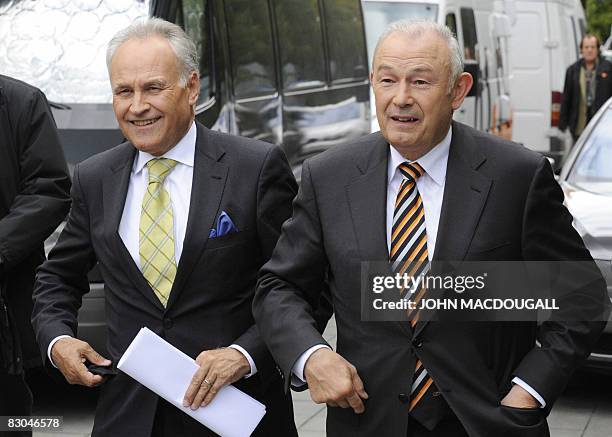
411	170
159	169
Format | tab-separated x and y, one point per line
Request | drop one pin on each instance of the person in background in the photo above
588	84
34	198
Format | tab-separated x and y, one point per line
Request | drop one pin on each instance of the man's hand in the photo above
218	368
518	397
334	381
70	354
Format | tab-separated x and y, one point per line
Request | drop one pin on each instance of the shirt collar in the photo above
183	152
433	162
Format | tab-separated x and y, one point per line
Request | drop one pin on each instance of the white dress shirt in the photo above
431	188
178	184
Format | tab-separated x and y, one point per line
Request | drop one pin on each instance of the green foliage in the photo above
599	17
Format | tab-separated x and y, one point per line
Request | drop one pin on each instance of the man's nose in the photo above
403	96
139	103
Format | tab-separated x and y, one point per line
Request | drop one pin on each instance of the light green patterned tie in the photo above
157	261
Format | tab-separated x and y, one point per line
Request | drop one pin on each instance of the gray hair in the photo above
417	28
183	46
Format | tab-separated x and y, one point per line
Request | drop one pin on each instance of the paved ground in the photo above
585	410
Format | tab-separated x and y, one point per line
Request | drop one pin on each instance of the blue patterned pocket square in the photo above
224	226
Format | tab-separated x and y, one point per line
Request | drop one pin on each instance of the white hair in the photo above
183	47
416	29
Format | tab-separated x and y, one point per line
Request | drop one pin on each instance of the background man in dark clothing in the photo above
588	84
34	198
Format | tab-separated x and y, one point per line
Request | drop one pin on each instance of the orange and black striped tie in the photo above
409	256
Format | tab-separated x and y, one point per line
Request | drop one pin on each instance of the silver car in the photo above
586	179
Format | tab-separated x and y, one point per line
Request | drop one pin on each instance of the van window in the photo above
451	23
345	41
582	27
576	40
250	46
301	43
194	18
470	38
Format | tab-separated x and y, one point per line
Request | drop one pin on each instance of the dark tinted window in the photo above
582	27
469	33
451	23
345	39
301	43
251	49
194	17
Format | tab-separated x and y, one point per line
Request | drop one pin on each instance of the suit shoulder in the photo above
14	87
121	154
241	146
19	95
504	158
348	152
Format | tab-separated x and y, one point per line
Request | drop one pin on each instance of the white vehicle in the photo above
606	48
483	31
545	40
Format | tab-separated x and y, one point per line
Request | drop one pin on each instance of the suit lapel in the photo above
465	194
114	189
209	177
367	196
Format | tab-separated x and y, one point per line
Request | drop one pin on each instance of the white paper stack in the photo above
167	371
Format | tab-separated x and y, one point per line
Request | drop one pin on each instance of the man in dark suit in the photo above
180	219
424	188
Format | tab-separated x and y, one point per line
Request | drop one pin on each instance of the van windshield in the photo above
378	15
59	46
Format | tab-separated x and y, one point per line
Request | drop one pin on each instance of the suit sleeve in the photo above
42	200
62	280
275	192
548	235
291	284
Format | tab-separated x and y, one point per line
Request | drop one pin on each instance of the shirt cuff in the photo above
530	390
297	373
249	359
51	347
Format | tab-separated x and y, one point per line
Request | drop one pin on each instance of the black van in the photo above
290	72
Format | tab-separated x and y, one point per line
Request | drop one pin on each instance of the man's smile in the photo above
141	123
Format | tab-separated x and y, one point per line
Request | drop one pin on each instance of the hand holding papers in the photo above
167	371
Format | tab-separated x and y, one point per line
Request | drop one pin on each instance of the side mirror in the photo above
474	69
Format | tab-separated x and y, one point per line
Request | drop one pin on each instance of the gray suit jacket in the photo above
501	202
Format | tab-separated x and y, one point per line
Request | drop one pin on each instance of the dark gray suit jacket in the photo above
210	301
500	202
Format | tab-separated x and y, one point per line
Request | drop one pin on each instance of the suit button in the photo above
417	343
168	323
436	394
403	398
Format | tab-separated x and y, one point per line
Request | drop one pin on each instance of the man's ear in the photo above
462	87
193	86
